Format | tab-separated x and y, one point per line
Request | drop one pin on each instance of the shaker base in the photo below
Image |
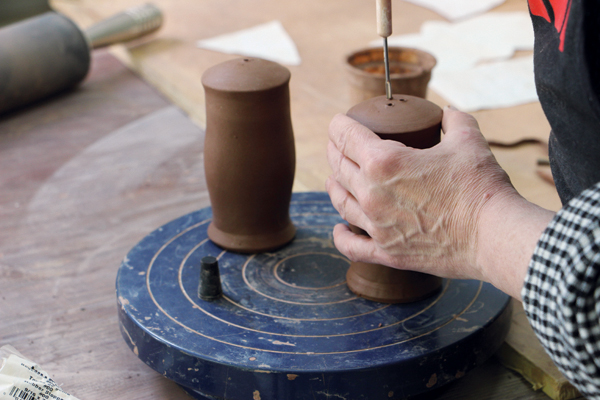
389	285
251	243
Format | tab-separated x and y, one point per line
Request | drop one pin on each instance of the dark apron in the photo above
567	77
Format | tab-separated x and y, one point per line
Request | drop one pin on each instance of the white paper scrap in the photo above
23	379
452	54
488	86
462	45
458	9
269	41
512	29
473	70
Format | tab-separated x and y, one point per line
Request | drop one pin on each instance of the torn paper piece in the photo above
452	54
23	379
494	85
458	9
472	70
269	41
462	45
505	29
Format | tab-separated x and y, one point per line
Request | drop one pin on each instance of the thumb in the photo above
459	127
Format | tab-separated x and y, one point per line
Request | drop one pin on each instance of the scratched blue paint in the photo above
287	327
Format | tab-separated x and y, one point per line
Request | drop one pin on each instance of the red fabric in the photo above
537	7
560	9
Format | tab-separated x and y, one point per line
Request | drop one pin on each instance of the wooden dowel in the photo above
384	18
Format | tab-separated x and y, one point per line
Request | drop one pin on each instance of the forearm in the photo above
509	228
561	296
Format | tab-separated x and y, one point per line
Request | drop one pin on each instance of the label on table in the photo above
21	379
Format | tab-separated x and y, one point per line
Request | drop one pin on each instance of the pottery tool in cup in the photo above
384	29
49	53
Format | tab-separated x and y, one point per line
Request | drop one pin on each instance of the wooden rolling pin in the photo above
49	53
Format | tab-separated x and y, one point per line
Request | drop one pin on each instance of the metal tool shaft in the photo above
386	60
384	29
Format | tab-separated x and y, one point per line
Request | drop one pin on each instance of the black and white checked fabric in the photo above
561	294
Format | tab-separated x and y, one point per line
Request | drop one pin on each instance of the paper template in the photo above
454	10
269	41
488	86
457	46
473	66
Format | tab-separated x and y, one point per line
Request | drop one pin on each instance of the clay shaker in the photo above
415	122
249	154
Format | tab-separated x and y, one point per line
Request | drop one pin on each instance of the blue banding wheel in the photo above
287	327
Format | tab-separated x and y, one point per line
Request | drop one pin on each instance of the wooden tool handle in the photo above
128	25
384	18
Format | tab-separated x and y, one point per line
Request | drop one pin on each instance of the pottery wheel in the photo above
287	327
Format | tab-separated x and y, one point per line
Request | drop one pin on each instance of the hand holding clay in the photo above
422	208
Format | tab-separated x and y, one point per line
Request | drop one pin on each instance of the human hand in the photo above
421	208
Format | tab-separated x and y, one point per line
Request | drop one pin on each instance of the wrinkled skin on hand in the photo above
421	208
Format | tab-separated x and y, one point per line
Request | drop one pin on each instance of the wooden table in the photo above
88	174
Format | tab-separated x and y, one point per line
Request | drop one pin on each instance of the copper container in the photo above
410	72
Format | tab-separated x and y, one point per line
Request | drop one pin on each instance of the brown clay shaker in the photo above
415	122
249	154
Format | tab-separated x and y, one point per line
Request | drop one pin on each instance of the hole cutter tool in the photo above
384	29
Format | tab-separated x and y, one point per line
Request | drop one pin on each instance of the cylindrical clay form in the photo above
249	154
416	123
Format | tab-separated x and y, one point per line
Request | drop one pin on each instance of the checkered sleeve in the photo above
561	294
